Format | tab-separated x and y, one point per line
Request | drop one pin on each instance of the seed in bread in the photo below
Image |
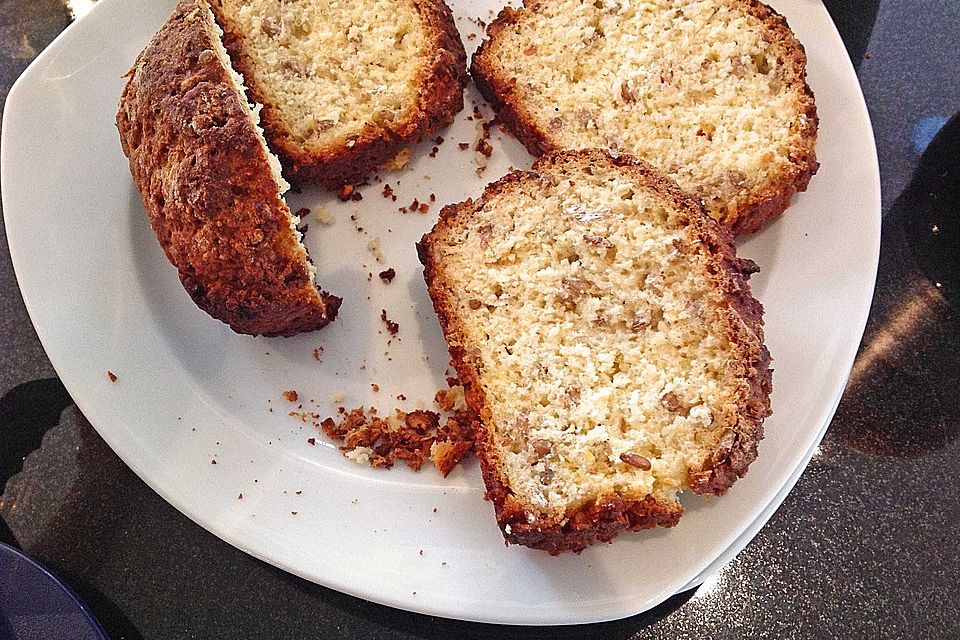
608	343
713	92
346	85
210	185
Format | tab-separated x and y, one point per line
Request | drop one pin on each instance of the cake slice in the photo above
346	85
712	92
210	185
608	342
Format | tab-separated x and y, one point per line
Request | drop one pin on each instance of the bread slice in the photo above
211	187
608	342
346	85
712	92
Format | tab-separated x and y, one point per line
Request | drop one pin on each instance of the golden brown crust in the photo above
609	515
439	100
208	188
752	210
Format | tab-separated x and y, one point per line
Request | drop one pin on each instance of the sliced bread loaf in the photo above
608	342
346	85
210	185
713	92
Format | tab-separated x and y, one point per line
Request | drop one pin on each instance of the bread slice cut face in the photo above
712	92
346	85
609	343
211	187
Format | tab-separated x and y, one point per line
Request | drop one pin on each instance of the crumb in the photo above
401	397
318	353
463	145
388	192
345	193
423	208
484	148
312	441
213	462
438	140
375	387
298	492
323	216
302	212
111	376
433	152
434	509
400	160
294	513
392	327
452	399
373	246
433	197
388	275
290	395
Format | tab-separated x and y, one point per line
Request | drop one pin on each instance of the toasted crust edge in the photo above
759	206
438	102
191	144
609	515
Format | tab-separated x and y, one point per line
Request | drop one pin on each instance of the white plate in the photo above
103	297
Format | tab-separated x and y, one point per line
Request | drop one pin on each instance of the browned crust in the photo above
208	188
753	209
439	100
609	515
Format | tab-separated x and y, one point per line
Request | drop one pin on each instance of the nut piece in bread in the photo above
211	187
608	342
711	92
346	85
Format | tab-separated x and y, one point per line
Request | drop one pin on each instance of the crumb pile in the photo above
409	437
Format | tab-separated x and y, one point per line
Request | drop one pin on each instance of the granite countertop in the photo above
865	546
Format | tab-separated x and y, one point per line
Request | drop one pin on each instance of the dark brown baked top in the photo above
208	187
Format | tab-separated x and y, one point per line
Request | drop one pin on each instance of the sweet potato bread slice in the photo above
713	92
211	187
346	85
609	345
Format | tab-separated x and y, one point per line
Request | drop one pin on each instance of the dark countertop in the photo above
865	546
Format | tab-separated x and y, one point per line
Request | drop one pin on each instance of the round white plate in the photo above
103	297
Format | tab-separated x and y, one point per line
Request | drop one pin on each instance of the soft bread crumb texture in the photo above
712	92
332	67
608	356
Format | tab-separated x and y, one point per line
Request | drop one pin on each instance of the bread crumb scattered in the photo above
400	160
290	395
323	216
373	246
392	327
111	376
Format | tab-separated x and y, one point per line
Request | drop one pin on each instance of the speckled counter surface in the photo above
866	545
